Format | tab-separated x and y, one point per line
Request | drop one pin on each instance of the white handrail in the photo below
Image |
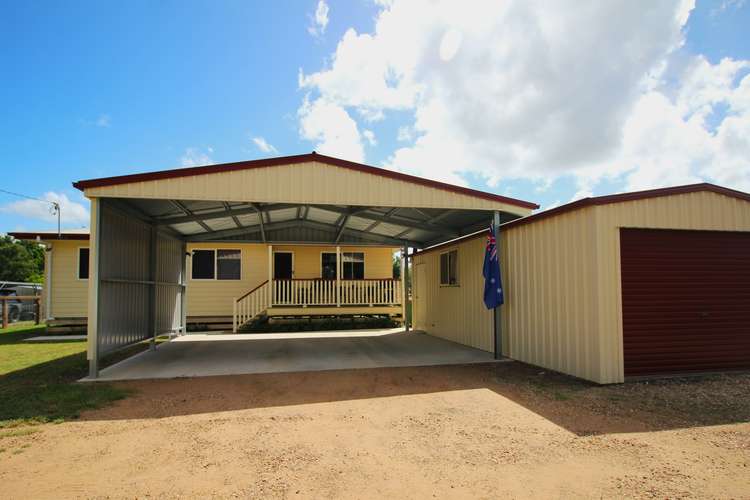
249	306
317	292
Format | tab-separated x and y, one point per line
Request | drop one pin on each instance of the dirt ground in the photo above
481	431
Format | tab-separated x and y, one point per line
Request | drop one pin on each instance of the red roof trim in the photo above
49	236
285	160
632	196
601	200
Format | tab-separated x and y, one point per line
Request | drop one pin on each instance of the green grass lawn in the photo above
38	379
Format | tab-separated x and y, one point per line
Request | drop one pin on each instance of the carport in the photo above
141	223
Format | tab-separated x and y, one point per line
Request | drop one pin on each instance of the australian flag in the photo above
493	287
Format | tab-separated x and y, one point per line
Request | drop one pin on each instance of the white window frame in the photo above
215	250
78	263
364	265
440	269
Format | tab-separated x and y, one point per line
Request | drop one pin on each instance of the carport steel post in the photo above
93	292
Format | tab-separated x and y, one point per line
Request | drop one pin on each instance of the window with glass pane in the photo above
328	266
83	263
203	264
353	264
228	264
449	268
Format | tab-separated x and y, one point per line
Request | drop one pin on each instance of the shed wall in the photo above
550	316
455	313
308	182
562	275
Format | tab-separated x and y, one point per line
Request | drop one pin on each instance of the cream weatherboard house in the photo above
220	273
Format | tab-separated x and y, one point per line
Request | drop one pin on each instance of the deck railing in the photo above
250	305
315	292
319	292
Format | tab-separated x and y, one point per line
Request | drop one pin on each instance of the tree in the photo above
20	260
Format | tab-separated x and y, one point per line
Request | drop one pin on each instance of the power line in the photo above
55	205
27	196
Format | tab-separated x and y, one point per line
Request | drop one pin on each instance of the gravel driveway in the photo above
493	430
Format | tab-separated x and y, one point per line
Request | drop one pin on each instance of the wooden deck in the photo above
311	297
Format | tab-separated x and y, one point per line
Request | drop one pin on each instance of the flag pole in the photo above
496	312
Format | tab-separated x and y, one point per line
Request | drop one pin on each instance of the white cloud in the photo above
263	145
71	213
539	90
450	44
319	21
194	157
369	135
332	129
405	134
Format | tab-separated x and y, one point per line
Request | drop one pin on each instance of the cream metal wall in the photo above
551	314
215	297
455	313
561	274
309	182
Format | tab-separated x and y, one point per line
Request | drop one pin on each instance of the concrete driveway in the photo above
198	355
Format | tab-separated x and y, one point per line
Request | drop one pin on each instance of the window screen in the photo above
83	263
353	264
203	264
448	268
328	266
228	264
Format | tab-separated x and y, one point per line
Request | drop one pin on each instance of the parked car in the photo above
20	310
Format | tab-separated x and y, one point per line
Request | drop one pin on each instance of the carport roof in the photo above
287	160
309	198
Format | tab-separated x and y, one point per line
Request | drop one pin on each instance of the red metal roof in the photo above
286	160
604	200
46	235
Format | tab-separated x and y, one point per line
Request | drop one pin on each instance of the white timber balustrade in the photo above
316	292
319	292
250	305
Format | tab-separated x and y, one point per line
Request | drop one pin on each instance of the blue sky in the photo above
94	89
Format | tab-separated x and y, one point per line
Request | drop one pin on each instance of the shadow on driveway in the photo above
578	406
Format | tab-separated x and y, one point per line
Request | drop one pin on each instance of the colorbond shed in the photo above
604	288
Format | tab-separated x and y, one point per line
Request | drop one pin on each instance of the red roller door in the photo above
685	301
